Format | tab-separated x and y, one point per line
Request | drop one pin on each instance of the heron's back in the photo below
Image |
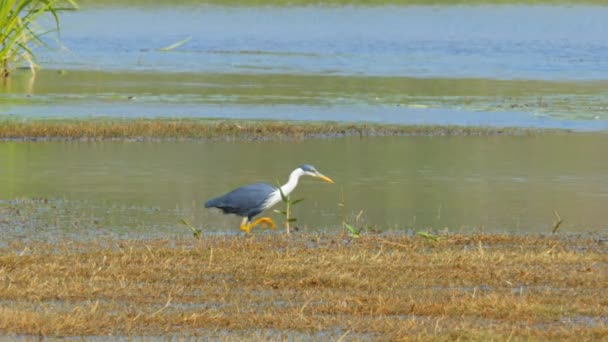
247	201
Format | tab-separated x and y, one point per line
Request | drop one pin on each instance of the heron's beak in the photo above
325	178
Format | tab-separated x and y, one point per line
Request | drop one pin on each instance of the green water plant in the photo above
557	223
195	231
428	236
287	212
19	31
353	233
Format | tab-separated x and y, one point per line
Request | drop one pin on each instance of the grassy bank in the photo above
159	129
378	287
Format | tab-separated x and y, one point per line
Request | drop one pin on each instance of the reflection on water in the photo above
465	183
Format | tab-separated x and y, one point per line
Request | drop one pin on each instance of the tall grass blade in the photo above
283	197
557	223
195	232
19	32
175	45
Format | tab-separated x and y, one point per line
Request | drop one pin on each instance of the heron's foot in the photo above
246	228
265	222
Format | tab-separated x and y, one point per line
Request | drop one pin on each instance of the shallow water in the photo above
129	189
435	65
388	100
497	42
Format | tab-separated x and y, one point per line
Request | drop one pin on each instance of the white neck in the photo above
287	188
291	184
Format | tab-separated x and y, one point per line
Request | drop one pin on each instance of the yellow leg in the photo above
245	226
265	222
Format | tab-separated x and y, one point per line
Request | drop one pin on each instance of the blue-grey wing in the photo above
245	201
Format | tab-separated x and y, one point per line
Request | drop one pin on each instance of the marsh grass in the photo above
287	213
19	31
168	129
379	286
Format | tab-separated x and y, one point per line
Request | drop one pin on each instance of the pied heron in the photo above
250	200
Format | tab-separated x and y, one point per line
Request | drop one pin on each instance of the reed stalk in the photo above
20	32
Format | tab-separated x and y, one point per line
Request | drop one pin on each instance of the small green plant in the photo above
353	232
428	236
195	231
557	223
287	212
19	32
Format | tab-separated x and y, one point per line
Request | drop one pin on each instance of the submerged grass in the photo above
276	287
136	92
143	129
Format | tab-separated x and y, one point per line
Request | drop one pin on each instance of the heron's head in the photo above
311	171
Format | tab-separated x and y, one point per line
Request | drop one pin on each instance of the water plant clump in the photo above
171	129
20	32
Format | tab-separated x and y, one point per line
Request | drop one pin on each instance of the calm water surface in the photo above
531	66
492	65
508	41
128	189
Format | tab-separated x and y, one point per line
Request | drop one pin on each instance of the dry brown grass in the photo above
389	287
218	129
